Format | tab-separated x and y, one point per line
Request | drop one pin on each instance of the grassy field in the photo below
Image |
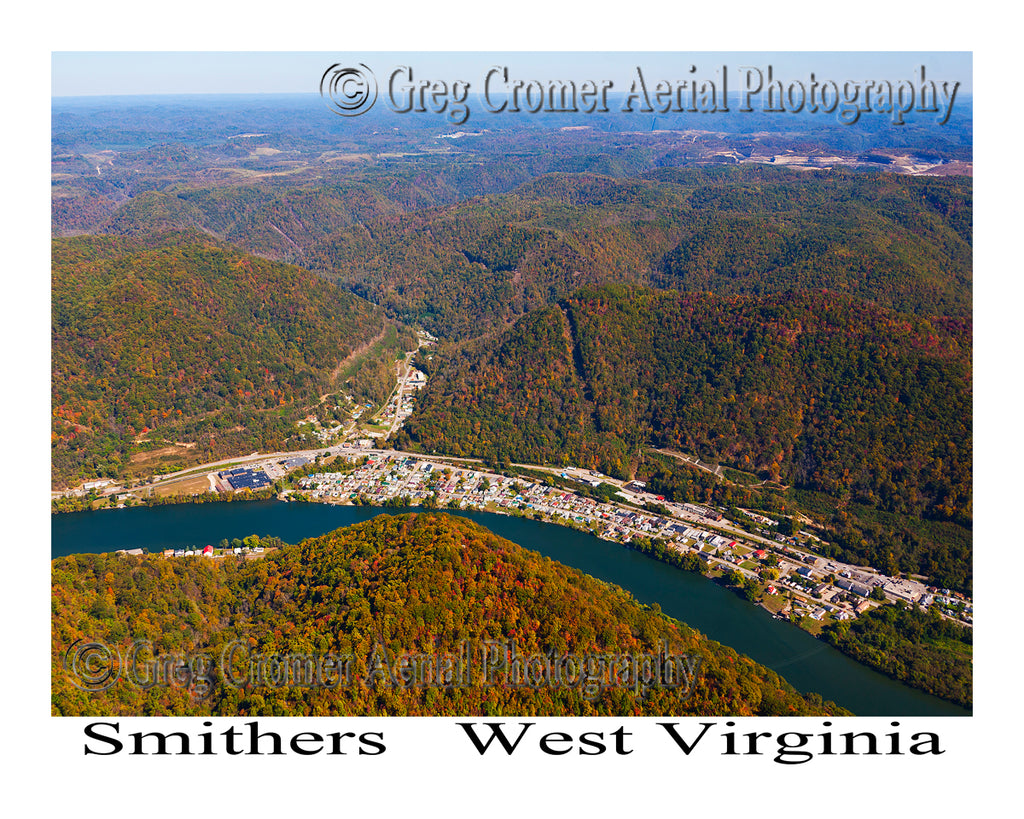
737	476
774	602
951	645
185	486
160	461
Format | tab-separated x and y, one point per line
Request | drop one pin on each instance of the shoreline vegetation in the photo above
919	649
882	639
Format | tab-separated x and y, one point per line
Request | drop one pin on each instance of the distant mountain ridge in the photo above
904	242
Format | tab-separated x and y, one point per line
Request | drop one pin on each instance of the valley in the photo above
744	353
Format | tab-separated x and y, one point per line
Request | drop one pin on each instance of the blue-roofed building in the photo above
243	478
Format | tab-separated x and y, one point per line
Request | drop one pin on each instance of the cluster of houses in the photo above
950	603
321	433
209	551
387	477
402	405
801	573
397	410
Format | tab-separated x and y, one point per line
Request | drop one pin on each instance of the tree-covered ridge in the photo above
461	270
190	340
915	202
904	242
276	201
389	587
269	220
819	390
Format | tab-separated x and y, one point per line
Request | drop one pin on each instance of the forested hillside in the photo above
822	390
903	242
259	218
817	390
180	338
393	586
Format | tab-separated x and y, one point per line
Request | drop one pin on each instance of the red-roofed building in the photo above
208	551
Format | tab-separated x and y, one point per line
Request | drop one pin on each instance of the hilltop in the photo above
415	584
180	339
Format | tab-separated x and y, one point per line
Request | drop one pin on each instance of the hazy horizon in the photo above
77	74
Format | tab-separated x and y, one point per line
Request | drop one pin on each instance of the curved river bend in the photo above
809	664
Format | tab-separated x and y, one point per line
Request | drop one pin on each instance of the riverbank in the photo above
808	664
736	568
773	576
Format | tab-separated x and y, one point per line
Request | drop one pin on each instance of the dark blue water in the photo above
807	663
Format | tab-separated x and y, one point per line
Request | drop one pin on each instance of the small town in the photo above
782	572
791	581
801	582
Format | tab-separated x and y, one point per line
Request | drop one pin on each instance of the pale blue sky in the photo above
77	73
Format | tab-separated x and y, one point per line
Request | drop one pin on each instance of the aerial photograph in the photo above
511	384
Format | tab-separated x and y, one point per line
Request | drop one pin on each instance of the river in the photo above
807	663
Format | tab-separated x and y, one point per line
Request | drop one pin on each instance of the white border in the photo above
428	771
